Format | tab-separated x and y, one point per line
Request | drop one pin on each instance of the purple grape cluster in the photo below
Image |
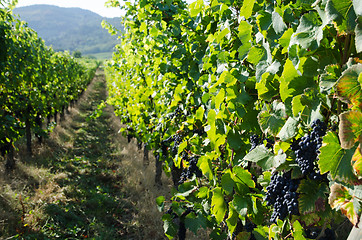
306	149
282	195
191	170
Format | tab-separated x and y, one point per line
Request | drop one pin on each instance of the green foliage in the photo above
237	68
35	81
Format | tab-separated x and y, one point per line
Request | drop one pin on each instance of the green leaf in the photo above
264	158
313	195
247	8
195	222
272	120
289	130
307	106
349	86
200	113
298	231
350	128
234	139
335	159
329	77
243	176
205	165
240	204
278	23
160	202
244	34
218	205
227	181
309	32
284	40
256	55
358	35
342	13
291	82
268	87
232	220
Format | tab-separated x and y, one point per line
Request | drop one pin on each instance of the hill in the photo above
70	28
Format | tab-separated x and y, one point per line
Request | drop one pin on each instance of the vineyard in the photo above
36	84
251	107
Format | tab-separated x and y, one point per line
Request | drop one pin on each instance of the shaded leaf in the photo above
329	77
335	159
311	193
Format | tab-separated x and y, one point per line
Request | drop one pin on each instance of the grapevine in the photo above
265	93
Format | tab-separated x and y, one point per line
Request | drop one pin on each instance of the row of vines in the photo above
36	83
253	107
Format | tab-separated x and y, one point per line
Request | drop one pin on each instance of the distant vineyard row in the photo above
36	83
254	109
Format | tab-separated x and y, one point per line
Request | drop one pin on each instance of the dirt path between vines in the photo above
84	181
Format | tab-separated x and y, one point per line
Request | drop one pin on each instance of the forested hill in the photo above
70	28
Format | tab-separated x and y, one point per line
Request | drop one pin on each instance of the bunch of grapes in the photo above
255	140
191	170
306	149
177	139
282	195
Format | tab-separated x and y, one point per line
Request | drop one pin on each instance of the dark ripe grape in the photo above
254	141
306	149
282	195
191	170
270	143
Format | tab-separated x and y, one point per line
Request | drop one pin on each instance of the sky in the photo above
96	6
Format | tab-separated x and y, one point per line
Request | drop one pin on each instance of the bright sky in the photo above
96	6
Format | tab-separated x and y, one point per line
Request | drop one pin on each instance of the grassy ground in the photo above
84	181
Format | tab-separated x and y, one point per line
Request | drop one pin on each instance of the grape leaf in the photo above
243	176
264	158
272	120
218	205
268	87
240	204
310	193
350	128
343	14
349	86
289	130
247	8
298	231
357	162
358	38
232	219
329	77
335	159
340	199
291	82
